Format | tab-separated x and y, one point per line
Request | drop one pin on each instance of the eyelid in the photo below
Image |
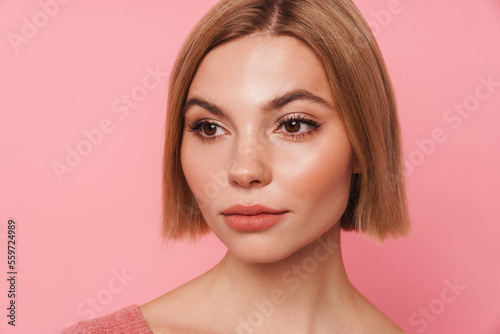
298	116
301	119
196	126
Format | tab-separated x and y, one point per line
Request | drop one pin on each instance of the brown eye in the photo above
292	126
297	126
209	129
205	130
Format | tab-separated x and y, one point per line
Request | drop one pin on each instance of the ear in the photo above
356	167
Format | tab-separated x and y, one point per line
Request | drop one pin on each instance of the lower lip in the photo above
253	223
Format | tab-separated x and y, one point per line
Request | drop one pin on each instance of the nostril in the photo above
245	179
249	169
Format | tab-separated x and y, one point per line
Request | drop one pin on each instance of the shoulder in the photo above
170	313
126	320
369	319
181	310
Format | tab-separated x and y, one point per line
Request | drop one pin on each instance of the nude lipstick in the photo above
252	218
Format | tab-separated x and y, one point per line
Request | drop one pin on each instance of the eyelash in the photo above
197	125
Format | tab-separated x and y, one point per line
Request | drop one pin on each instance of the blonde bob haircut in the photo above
340	37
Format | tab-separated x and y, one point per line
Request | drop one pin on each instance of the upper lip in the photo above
251	210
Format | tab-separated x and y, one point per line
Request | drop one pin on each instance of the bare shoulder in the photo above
380	323
158	312
176	311
370	319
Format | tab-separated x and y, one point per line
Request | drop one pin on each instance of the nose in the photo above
250	165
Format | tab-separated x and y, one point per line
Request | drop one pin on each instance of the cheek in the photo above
192	172
319	175
201	173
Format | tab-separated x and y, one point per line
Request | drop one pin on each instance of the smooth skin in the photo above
262	128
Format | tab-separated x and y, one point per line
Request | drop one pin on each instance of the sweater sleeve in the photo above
127	320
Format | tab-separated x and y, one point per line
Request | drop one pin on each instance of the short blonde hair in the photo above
361	88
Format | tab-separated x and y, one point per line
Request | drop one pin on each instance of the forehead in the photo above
259	67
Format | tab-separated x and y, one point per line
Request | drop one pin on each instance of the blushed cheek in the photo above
202	176
194	177
192	172
333	171
320	178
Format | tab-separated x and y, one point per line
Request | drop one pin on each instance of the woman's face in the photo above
261	128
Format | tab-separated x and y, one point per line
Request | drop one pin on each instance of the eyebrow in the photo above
275	104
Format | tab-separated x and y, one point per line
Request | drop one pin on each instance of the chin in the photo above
257	258
261	252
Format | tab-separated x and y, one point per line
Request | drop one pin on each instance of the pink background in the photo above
75	235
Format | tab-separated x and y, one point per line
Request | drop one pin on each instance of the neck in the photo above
301	288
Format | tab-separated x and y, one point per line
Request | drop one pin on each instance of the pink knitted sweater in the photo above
126	320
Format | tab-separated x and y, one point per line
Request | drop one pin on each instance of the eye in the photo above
294	126
209	129
297	126
205	129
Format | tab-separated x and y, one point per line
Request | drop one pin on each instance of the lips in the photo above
252	218
245	210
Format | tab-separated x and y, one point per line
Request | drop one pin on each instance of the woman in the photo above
281	131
